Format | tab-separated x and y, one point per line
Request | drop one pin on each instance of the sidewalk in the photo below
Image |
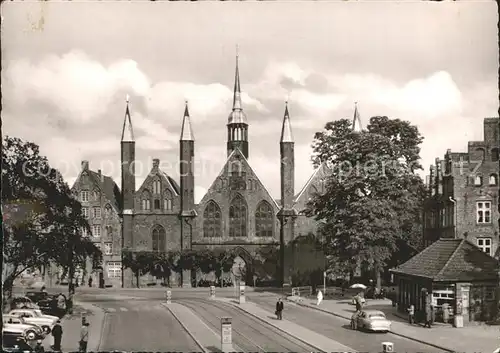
311	338
71	325
481	338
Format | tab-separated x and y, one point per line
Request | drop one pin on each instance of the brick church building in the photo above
160	215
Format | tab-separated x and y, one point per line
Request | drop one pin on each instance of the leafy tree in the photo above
139	263
42	221
372	200
223	262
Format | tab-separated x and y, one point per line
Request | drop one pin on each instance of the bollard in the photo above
169	297
226	335
242	294
212	292
387	347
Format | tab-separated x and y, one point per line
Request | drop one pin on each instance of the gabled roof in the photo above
311	179
170	181
107	186
451	260
238	151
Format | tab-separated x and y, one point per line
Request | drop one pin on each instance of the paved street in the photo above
338	329
141	325
249	333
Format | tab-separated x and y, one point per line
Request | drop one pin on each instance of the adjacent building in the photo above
463	194
458	271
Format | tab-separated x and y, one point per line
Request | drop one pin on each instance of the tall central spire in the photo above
237	88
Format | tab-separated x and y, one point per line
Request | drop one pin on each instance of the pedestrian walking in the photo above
279	309
90	281
57	333
411	314
428	316
61	304
39	348
319	297
84	337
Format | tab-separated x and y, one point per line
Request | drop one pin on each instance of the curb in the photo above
393	332
100	324
185	328
273	325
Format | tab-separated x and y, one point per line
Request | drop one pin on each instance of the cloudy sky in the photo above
67	68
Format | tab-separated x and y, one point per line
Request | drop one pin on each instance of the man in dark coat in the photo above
279	309
90	281
57	333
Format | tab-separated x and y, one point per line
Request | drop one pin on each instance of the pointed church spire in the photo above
356	121
286	129
237	88
127	131
186	131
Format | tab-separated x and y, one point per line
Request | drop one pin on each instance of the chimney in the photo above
100	175
156	163
85	165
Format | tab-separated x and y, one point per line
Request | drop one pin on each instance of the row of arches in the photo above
156	201
492	180
238	219
480	153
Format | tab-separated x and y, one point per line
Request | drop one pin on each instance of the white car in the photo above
40	314
33	317
17	326
372	320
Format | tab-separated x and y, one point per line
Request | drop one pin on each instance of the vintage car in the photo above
34	316
15	344
372	320
17	326
23	303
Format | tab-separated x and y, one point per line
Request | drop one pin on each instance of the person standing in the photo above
411	314
57	333
90	281
428	316
84	337
279	309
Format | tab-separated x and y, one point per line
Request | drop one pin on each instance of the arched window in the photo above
480	153
146	201
478	180
159	239
238	217
107	210
494	154
167	202
212	220
264	220
156	187
493	179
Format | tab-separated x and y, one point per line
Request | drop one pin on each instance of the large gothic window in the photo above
159	239
264	220
238	217
212	221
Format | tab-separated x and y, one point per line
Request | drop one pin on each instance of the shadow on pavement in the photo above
347	327
213	349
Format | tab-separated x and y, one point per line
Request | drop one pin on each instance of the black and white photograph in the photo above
240	176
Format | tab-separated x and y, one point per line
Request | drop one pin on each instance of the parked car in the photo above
35	317
372	320
36	296
17	326
23	303
15	344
